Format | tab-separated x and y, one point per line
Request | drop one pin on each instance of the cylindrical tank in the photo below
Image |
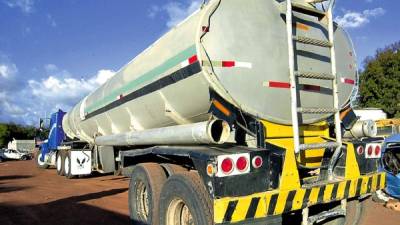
236	48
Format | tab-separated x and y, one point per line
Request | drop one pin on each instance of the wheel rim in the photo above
59	163
66	165
178	213
142	200
40	161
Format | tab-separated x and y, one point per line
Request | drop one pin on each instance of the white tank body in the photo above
243	56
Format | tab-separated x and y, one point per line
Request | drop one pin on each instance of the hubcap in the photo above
59	163
142	200
40	161
178	213
66	165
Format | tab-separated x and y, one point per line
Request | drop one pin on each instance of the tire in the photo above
60	163
184	196
145	186
24	158
354	214
172	169
1	159
67	166
39	163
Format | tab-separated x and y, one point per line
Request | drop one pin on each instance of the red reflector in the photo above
348	81
360	150
228	63
257	162
307	87
242	164
205	29
377	150
370	150
227	165
193	59
275	84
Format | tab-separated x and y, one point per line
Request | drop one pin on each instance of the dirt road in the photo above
32	196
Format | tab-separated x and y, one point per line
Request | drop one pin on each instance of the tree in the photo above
380	81
10	131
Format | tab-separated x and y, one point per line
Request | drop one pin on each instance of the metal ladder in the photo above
294	75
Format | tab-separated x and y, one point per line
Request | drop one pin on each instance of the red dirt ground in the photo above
32	196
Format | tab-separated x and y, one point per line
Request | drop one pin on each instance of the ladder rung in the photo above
317	110
329	145
316	1
308	10
312	41
313	75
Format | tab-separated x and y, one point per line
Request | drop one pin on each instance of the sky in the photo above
53	53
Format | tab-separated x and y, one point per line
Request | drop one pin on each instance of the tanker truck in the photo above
237	115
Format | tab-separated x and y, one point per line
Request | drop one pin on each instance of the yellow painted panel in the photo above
241	210
364	185
341	190
262	207
314	195
328	192
281	202
220	207
284	131
298	199
352	169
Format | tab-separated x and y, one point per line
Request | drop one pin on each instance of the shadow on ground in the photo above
68	211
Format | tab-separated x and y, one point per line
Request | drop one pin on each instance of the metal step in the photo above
308	10
316	1
313	75
326	215
312	41
316	110
324	145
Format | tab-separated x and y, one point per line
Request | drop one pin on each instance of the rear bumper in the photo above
252	208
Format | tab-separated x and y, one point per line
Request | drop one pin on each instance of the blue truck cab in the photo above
55	138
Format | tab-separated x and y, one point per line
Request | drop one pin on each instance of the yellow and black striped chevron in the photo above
261	205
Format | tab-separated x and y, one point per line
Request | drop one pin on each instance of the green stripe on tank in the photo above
148	76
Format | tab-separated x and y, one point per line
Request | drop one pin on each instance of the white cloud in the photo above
67	90
25	5
51	20
7	70
357	19
176	11
25	101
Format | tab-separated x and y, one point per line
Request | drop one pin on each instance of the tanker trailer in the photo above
235	116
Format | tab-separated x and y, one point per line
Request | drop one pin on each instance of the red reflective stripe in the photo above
348	81
308	87
193	59
228	63
275	84
205	29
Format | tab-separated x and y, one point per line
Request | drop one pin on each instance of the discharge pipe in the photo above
209	132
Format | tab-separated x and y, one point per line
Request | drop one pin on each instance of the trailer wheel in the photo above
67	166
60	163
185	201
172	169
354	214
145	186
40	163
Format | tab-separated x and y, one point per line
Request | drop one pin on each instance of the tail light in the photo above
360	150
227	166
235	164
373	152
370	150
377	150
242	163
257	162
